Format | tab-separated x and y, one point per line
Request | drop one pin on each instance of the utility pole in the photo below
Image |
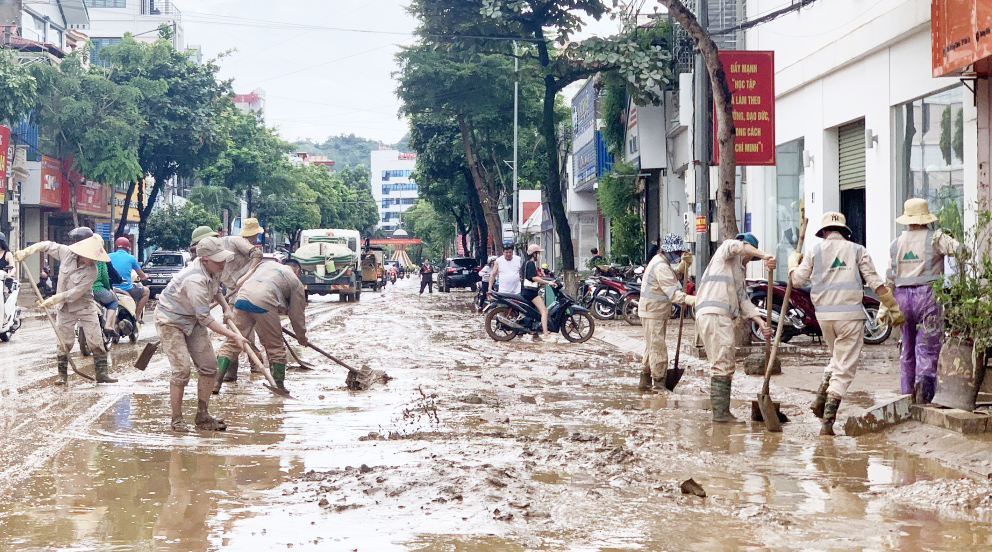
702	145
516	101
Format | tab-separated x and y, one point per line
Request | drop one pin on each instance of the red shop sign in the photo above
51	182
751	78
4	160
91	197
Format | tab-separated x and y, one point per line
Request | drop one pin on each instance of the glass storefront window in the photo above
929	151
784	195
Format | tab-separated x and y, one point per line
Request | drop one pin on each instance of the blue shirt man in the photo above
124	262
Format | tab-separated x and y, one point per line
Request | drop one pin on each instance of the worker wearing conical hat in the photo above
73	299
839	269
916	261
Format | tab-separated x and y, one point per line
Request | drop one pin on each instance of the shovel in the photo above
303	365
146	355
34	285
357	380
271	385
769	410
674	374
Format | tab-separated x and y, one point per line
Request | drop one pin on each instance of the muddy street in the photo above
475	445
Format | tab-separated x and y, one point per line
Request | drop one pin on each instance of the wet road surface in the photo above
474	445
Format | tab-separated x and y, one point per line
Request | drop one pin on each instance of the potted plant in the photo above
966	301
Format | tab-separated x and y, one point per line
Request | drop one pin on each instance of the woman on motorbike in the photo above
532	281
6	262
104	294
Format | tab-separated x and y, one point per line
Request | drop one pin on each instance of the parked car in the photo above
162	266
457	272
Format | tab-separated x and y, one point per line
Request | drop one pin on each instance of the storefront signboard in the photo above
51	182
961	34
91	197
4	161
751	78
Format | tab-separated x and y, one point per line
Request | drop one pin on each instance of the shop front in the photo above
41	197
92	202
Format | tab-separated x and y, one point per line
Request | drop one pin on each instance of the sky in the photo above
321	78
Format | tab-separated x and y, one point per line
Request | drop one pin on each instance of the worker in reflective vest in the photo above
660	288
839	270
720	298
916	261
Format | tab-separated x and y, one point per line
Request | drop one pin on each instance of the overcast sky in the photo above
320	78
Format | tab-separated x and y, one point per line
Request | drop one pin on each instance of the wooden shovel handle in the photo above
783	313
51	320
247	348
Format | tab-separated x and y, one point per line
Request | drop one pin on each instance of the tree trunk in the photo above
249	199
72	196
480	233
552	186
726	211
489	203
127	207
144	211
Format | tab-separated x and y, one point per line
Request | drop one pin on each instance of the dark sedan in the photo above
162	266
458	272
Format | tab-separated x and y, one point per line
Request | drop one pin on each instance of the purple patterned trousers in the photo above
921	339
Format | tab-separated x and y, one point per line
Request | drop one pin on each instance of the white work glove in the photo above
795	258
22	254
895	313
883	312
56	299
690	300
687	259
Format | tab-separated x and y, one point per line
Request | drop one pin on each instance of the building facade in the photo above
110	20
392	186
253	101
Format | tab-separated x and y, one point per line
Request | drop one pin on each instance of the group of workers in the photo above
262	291
838	270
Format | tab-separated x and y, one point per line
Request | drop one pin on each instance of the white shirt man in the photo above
507	271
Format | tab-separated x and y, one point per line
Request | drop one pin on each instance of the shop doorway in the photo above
851	141
852	204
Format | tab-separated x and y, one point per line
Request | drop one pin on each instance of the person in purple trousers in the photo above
917	261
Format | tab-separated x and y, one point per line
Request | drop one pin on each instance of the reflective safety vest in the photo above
837	283
659	288
913	261
721	289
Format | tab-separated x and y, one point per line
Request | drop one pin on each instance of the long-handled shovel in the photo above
304	365
674	374
357	380
271	385
34	285
769	412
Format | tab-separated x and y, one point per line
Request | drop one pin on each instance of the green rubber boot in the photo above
100	363
63	377
720	398
222	365
829	415
821	396
279	374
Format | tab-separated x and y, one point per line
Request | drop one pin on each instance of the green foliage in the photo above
292	210
436	229
957	143
964	297
945	135
617	192
346	150
627	233
613	105
18	89
948	209
214	199
171	226
250	153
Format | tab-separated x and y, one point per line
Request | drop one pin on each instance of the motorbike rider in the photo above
839	269
6	263
124	262
720	298
916	261
73	299
659	289
533	279
102	292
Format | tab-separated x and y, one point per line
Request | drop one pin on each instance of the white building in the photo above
111	19
861	123
392	187
253	101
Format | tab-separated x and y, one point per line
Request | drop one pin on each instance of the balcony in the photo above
160	7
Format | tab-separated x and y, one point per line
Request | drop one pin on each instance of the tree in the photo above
181	102
214	199
170	227
93	121
18	89
346	150
435	229
290	212
618	200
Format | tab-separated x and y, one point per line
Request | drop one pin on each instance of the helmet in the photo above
544	266
491	259
673	243
79	234
122	242
748	238
201	232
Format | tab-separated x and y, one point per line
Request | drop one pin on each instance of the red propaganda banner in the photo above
961	34
4	161
397	241
92	198
751	78
51	182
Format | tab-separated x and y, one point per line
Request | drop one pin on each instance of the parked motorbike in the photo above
801	317
126	327
510	315
10	313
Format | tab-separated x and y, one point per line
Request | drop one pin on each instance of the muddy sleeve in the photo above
245	248
868	272
946	245
802	272
78	291
297	309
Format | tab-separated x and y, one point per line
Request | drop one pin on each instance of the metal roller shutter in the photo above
851	141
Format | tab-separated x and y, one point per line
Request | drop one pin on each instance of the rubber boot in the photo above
720	398
645	383
63	377
279	374
100	363
821	396
829	415
232	371
222	366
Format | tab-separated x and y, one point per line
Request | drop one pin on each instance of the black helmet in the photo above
79	234
3	240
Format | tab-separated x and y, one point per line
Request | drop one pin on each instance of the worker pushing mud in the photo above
839	269
73	299
182	319
720	299
272	290
660	289
916	261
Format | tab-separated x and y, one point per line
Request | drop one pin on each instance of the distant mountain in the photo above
346	150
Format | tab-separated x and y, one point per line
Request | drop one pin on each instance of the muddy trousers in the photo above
266	325
655	348
185	351
920	339
89	324
717	334
844	338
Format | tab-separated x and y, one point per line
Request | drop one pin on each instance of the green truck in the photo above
330	262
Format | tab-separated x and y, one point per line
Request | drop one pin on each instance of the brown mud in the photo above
475	445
